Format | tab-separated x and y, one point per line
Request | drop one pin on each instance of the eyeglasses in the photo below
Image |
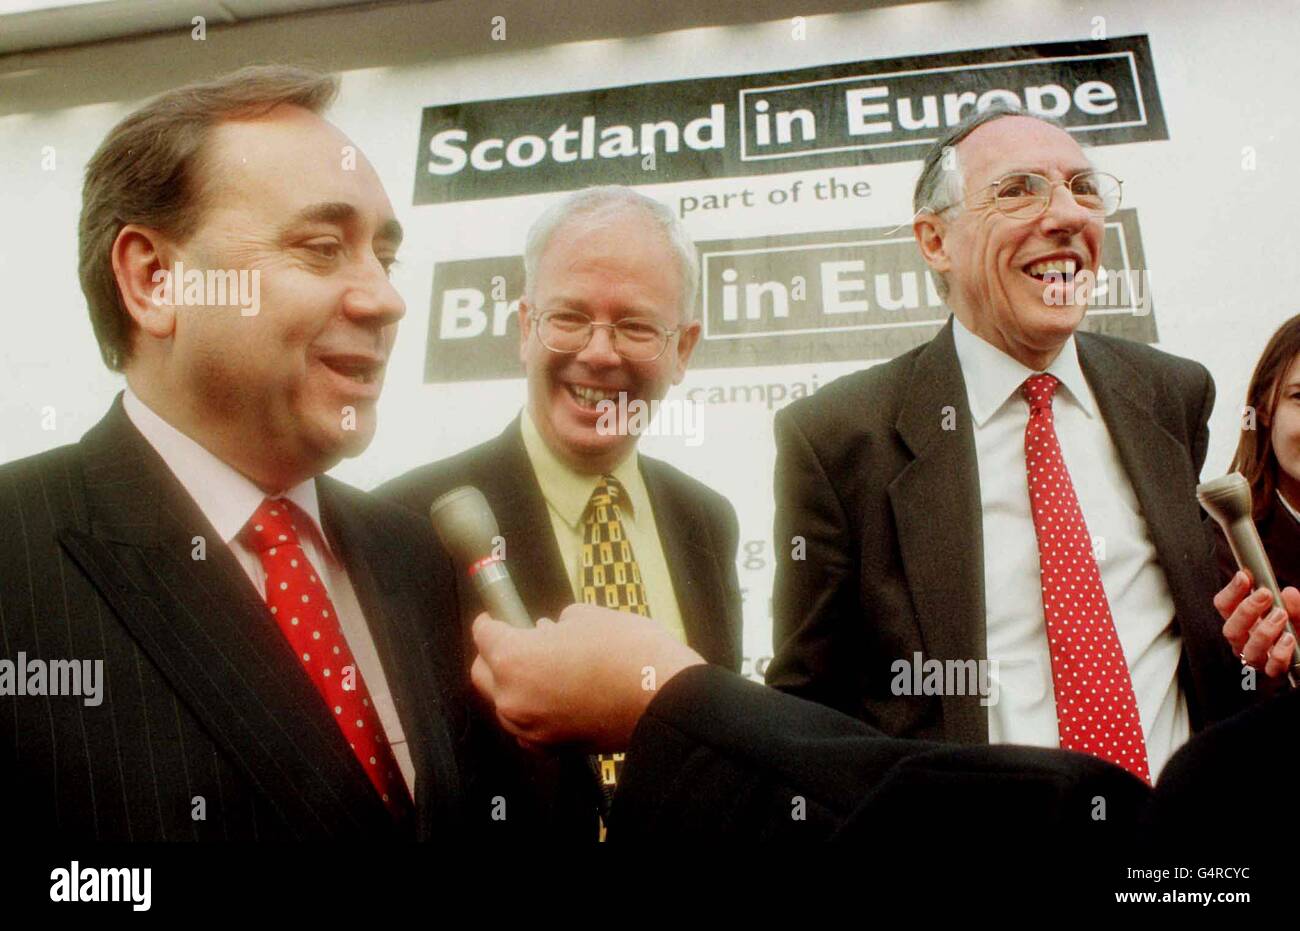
1025	195
636	339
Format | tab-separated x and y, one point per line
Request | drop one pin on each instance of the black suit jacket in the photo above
699	534
203	696
730	760
888	502
697	527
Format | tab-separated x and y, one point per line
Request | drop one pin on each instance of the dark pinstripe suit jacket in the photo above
202	694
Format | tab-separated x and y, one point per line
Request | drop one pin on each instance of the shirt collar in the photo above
992	376
225	496
567	490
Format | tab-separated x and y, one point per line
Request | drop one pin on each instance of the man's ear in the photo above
688	336
525	328
142	267
931	238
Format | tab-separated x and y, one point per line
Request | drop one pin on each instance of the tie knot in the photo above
1038	391
609	492
271	525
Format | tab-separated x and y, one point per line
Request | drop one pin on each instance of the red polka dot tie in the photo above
300	604
1096	710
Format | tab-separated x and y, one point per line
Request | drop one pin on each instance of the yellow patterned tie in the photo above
610	578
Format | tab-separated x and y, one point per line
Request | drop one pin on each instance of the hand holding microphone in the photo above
585	680
468	529
1258	624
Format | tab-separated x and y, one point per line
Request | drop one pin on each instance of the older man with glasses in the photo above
606	321
1013	501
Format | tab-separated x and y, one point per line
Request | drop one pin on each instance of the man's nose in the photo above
372	299
1064	212
599	350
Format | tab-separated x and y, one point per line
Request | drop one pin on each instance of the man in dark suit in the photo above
1014	497
277	656
605	324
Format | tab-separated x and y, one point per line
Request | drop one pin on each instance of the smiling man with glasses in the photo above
1016	495
607	317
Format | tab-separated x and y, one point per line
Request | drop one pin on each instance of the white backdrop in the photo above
1217	232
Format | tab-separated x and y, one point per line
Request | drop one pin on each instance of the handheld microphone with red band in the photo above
468	529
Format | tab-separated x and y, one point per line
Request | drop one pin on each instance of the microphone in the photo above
468	529
1227	499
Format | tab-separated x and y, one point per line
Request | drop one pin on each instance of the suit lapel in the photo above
1161	472
207	632
400	629
692	566
936	505
510	485
561	779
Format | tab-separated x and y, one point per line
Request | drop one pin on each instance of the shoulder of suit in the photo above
40	496
35	471
375	511
417	489
1146	358
873	391
688	486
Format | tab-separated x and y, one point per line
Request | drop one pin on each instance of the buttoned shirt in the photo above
228	499
567	493
1135	585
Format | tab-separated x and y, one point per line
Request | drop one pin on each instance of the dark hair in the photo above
148	170
1254	457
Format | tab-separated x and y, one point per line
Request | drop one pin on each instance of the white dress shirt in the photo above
1135	585
228	499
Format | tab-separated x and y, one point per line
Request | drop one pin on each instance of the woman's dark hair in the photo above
1255	458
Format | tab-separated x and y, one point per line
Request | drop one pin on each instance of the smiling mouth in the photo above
587	397
361	370
1059	269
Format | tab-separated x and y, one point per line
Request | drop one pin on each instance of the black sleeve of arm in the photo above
815	589
1202	442
1199	407
721	757
735	611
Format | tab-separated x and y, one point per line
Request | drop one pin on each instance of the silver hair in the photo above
608	200
940	184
